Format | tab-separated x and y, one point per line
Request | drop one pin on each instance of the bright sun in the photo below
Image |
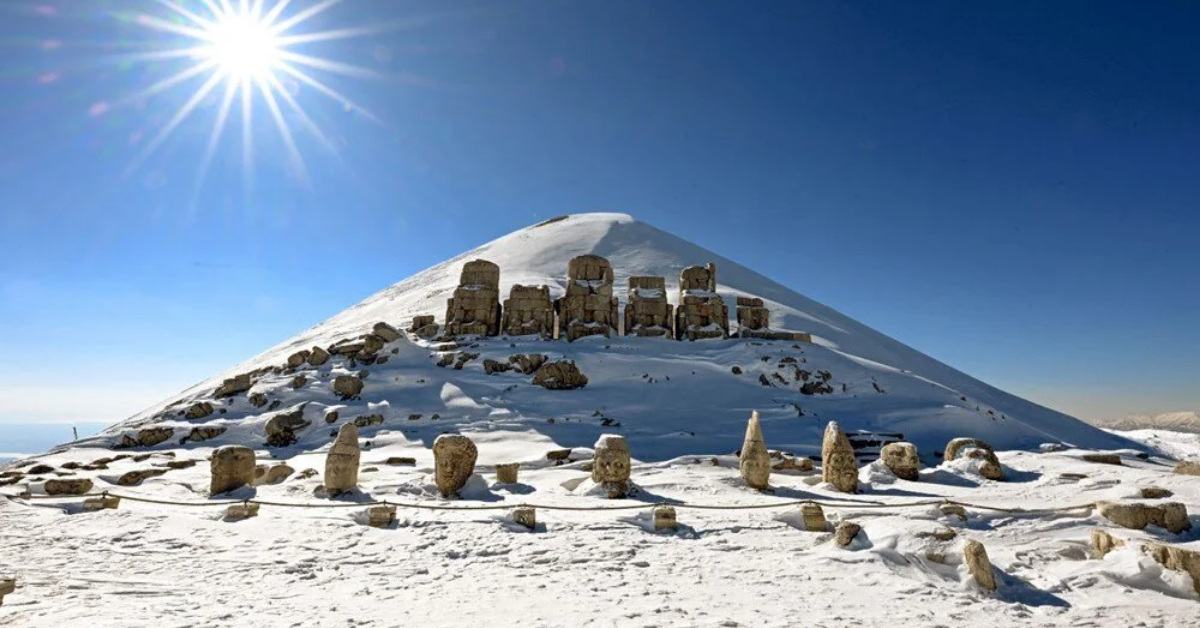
243	46
247	50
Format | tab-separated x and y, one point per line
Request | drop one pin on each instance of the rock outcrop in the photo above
281	429
232	467
318	356
754	462
527	363
386	332
611	465
475	306
648	313
589	307
507	473
838	464
702	312
133	478
234	385
454	458
198	410
844	533
148	437
902	460
560	375
341	463
528	310
67	486
347	386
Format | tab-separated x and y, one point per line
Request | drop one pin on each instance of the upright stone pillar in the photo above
475	306
755	461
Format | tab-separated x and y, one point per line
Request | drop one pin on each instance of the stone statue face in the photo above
610	465
454	462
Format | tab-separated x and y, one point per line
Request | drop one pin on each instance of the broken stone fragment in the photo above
133	478
839	467
754	463
813	517
386	332
978	565
957	445
73	486
902	460
198	410
347	386
381	516
401	460
232	467
560	375
296	359
200	434
507	473
233	385
341	463
104	502
1171	516
238	512
1103	458
844	533
525	516
664	518
1102	543
7	586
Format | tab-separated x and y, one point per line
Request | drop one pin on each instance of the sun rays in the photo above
242	58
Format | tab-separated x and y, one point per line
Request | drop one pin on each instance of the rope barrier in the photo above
842	504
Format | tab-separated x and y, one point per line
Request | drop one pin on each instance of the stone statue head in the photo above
612	461
454	461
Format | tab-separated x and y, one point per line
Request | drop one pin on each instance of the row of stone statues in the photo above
589	308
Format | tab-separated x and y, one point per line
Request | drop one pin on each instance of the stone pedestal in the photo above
589	307
648	313
701	312
814	518
528	310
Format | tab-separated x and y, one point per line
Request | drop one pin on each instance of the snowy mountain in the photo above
903	545
671	398
1169	421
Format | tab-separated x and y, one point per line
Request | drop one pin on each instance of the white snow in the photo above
683	412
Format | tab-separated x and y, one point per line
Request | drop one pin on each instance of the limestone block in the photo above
381	516
664	518
525	516
814	517
232	467
611	465
844	533
1171	516
238	512
978	565
507	473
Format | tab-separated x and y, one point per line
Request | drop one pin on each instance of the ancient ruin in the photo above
454	458
648	313
752	317
611	466
475	306
528	310
341	463
424	326
589	307
754	463
701	312
232	467
902	460
1171	516
838	464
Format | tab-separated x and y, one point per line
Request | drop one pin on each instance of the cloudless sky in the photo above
1011	187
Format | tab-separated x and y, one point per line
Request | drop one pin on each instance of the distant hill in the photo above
1174	421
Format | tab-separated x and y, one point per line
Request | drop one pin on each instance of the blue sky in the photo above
1010	187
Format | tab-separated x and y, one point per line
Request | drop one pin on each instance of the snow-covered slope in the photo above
681	398
1171	421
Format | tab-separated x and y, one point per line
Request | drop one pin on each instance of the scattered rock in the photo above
844	533
180	464
979	566
529	363
1103	543
104	502
258	400
232	467
73	486
790	463
736	370
298	358
401	460
754	462
1154	492
318	356
381	516
454	458
347	386
272	474
286	424
200	434
957	445
386	332
560	375
233	385
953	510
492	367
198	410
133	478
1103	458
611	465
507	473
238	512
989	467
299	381
1188	468
1171	516
7	586
558	455
1178	559
902	459
331	416
838	464
39	469
341	463
664	518
813	517
525	516
940	534
368	420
